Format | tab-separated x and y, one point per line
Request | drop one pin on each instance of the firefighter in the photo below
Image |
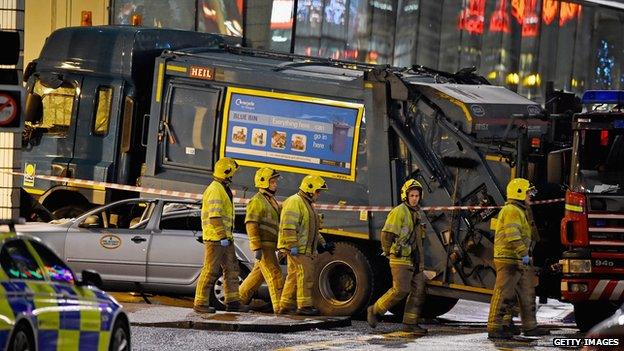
262	224
515	278
217	216
402	242
300	240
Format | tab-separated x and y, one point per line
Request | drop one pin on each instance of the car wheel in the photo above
345	281
22	339
218	292
120	339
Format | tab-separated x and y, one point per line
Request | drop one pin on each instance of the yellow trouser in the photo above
406	281
215	257
299	282
266	269
513	283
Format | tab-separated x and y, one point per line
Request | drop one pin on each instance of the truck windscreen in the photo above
600	161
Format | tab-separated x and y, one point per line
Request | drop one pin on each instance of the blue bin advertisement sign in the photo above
291	132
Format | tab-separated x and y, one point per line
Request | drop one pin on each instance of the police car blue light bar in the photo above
603	97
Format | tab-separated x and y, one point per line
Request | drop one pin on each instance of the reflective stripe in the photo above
617	291
602	284
573	208
269	229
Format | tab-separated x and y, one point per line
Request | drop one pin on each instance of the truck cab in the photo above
87	94
592	230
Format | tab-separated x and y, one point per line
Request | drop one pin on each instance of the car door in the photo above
112	240
97	129
175	256
51	138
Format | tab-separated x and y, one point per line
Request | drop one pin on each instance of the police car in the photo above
44	306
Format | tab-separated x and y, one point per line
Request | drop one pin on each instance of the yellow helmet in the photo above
263	175
225	168
311	183
518	188
409	185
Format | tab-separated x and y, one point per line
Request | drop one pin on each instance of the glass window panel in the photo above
18	263
156	13
450	37
408	14
606	50
58	105
102	112
565	49
581	59
53	266
220	16
281	25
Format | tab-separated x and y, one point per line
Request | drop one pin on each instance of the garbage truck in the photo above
364	128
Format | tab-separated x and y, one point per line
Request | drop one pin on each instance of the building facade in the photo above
520	44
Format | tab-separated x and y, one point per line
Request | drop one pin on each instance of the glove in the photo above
525	260
294	251
225	242
330	247
258	254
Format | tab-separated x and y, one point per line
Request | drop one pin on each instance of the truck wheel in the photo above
345	281
433	307
588	314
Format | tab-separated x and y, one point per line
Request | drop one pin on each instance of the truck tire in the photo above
345	281
433	307
588	314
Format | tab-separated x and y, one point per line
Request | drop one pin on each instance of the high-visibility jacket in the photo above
264	210
217	204
404	223
299	215
512	237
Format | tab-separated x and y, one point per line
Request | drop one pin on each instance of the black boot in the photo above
203	309
513	329
236	306
371	317
414	329
308	311
501	334
287	310
537	331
